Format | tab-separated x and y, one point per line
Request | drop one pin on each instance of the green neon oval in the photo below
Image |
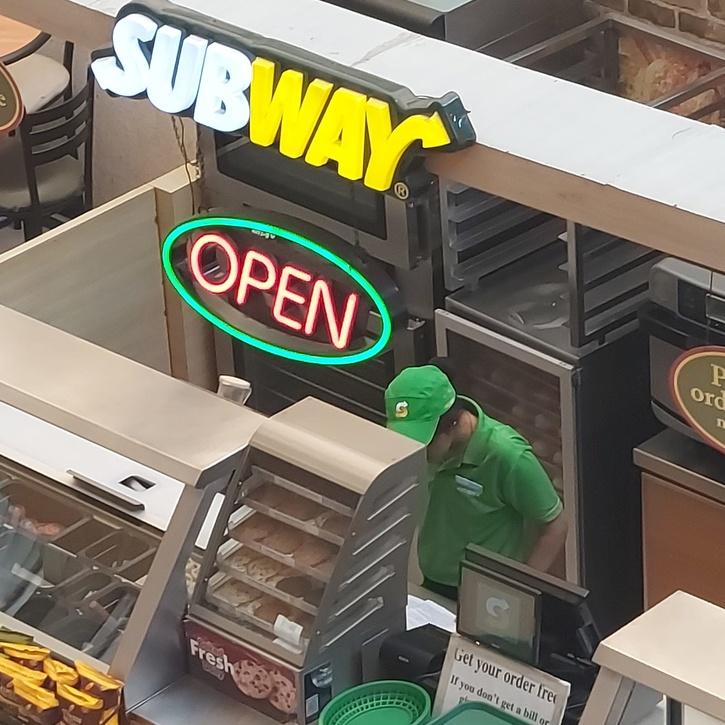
350	359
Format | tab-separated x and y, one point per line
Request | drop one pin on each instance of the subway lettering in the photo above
313	119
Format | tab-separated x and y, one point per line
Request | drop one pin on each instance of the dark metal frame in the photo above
607	276
48	136
595	63
32	47
599	69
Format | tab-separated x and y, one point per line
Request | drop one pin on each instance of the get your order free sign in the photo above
306	106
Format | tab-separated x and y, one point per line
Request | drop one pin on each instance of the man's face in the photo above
448	443
440	447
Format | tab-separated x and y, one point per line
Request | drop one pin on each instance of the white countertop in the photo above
675	648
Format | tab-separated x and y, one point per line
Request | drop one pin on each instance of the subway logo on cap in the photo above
305	106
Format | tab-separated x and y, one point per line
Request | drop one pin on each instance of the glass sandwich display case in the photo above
311	580
112	475
107	472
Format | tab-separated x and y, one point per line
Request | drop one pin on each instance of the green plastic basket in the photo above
387	702
477	713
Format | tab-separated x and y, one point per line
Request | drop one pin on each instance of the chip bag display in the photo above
80	708
10	671
35	703
59	673
27	655
107	688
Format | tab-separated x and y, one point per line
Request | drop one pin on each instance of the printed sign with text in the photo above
473	673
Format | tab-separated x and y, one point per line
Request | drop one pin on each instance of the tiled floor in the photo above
10	238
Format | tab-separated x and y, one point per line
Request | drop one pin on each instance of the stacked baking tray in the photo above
67	569
305	570
277	561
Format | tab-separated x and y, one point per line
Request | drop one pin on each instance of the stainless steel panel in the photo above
189	700
166	424
151	655
447	323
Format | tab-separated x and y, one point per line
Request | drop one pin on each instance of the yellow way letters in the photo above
325	124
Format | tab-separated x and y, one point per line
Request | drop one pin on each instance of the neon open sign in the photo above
279	289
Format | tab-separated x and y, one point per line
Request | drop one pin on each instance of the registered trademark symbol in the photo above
401	190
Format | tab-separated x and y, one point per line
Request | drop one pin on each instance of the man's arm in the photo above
552	537
530	492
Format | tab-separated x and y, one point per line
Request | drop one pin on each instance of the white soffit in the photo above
543	119
667	167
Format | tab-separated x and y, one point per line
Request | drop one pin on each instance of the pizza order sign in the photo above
697	383
11	105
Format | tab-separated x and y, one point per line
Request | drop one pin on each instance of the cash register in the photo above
527	615
535	618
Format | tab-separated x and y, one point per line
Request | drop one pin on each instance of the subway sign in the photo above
306	107
282	286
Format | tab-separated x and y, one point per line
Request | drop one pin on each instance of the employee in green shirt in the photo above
486	486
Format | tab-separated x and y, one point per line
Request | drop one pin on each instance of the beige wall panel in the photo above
191	338
97	277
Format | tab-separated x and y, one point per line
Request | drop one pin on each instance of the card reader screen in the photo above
499	613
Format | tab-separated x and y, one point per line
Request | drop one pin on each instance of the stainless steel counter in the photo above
685	462
191	701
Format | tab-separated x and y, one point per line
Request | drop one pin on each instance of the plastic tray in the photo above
326	496
37	505
387	702
246	612
476	713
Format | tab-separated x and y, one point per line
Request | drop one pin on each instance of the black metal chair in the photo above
44	177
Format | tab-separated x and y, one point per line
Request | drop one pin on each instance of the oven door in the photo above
533	393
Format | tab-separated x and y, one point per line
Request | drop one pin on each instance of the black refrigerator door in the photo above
602	409
528	390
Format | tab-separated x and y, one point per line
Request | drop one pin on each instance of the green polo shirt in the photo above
488	496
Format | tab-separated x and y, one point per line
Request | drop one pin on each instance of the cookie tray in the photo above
259	475
268	589
288	560
309	527
243	612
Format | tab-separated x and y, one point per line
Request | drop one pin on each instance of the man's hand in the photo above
552	537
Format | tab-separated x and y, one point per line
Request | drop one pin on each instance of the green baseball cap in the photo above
415	401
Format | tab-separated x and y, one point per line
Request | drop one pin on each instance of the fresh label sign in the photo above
698	387
243	673
473	673
281	286
305	106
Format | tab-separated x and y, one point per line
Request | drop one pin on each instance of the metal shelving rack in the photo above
607	276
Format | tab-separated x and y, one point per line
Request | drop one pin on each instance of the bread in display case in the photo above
311	573
108	472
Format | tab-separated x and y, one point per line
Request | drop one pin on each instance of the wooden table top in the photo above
15	36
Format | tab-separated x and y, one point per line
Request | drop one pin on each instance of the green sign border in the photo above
238	223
